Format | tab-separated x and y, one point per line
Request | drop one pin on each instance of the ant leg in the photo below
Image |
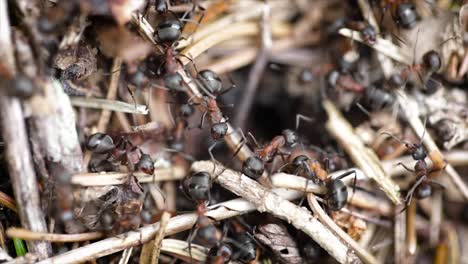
300	117
233	85
413	188
133	96
404	166
192	234
254	140
438	184
202	120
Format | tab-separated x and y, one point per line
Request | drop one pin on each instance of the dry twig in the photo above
25	234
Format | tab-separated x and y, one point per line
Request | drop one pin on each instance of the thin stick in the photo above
399	235
364	157
159	237
247	55
18	157
381	45
180	250
115	178
365	256
256	72
111	95
108	105
8	202
61	238
126	254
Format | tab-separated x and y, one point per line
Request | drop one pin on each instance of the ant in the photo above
367	31
337	193
212	84
197	188
243	242
345	82
124	152
254	166
422	188
403	13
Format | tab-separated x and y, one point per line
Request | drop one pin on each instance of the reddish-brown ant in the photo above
422	188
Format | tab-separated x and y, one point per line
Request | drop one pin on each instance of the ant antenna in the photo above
300	117
415	46
424	132
397	139
254	140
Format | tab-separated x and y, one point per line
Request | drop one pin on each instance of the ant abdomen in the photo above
253	167
168	31
100	143
337	194
424	190
211	81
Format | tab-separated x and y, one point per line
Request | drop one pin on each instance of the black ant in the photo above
422	188
367	31
403	13
197	188
242	241
124	152
212	84
336	196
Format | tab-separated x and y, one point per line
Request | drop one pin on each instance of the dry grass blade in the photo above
25	234
159	237
115	178
364	157
110	105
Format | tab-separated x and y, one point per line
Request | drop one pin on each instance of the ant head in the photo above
219	130
221	250
174	82
418	152
369	34
290	136
100	143
248	247
301	161
146	164
186	110
168	31
210	81
21	86
432	61
253	167
424	190
197	186
395	81
337	193
406	15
